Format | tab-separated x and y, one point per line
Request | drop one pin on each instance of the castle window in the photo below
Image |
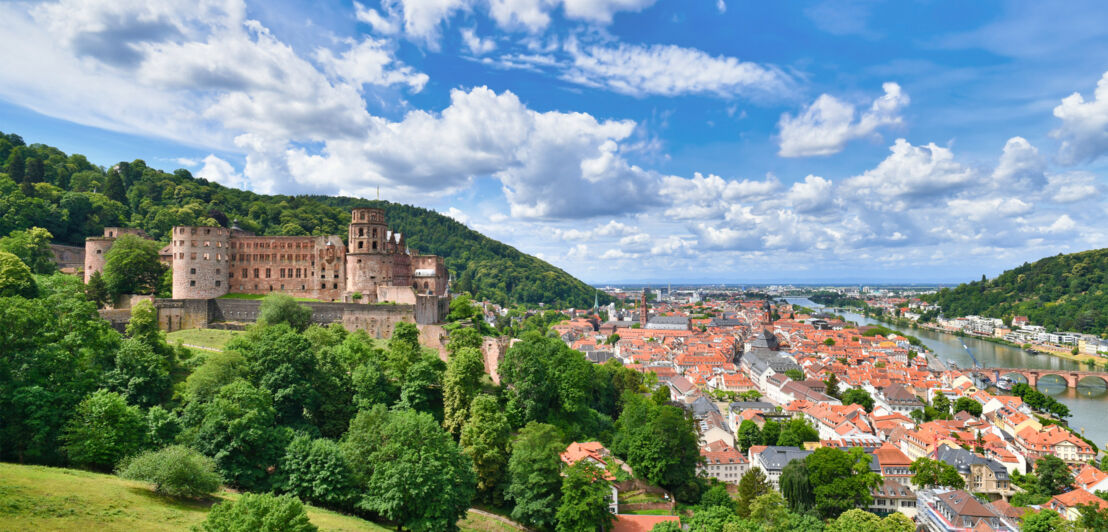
245	273
361	231
192	283
194	243
362	215
267	277
207	243
98	251
207	257
218	244
217	271
192	256
230	274
181	256
218	256
192	271
207	231
374	232
375	245
336	285
281	273
322	286
282	287
217	283
360	246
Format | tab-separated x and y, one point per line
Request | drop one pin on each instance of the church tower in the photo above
643	310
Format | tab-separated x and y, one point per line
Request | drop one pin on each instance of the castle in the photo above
375	266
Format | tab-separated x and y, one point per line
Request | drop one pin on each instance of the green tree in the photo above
1093	517
752	485
217	370
941	403
372	386
485	439
15	277
416	475
771	431
585	499
796	486
749	435
832	384
140	375
665	451
717	496
162	427
1054	475
113	188
238	428
277	308
534	485
280	361
927	473
841	480
464	337
104	429
796	432
1044	521
795	374
403	351
176	471
316	470
96	290
855	520
858	396
32	247
965	404
132	266
422	387
258	512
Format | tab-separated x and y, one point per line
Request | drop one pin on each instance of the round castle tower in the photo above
96	252
201	262
367	260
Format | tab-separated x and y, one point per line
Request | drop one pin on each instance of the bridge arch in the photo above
1015	376
1097	381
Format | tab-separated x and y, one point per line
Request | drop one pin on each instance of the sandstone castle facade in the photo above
375	266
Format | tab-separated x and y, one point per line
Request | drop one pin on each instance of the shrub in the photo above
282	308
176	471
258	512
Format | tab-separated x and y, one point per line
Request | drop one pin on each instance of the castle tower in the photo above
201	262
368	262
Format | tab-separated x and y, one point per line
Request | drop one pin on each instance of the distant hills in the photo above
1064	292
42	186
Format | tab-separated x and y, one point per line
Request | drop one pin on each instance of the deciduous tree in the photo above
485	439
534	485
585	499
103	430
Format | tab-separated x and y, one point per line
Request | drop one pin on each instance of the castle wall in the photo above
365	272
68	258
377	320
429	274
201	262
301	266
403	295
177	314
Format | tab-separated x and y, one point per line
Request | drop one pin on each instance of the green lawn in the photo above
213	339
47	498
51	498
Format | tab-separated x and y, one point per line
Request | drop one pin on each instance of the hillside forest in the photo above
41	186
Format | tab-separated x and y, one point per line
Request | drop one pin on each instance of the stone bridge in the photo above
1071	377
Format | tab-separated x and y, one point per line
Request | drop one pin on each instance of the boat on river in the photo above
1005	383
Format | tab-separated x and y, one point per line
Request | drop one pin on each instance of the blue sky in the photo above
623	140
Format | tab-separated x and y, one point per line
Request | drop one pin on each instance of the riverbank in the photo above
1059	352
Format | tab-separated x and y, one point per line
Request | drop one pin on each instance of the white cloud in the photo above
1072	187
911	173
477	45
458	215
380	24
669	70
1064	224
578	252
1084	130
812	194
721	6
220	171
610	229
828	124
1020	165
601	11
369	62
705	197
981	209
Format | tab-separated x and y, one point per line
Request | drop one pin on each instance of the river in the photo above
1088	403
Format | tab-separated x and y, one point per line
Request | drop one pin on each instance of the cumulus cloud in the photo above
1020	166
812	194
708	196
911	173
1084	129
610	229
1071	187
825	126
220	171
476	44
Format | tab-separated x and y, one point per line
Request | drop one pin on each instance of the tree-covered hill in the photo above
42	186
1064	292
